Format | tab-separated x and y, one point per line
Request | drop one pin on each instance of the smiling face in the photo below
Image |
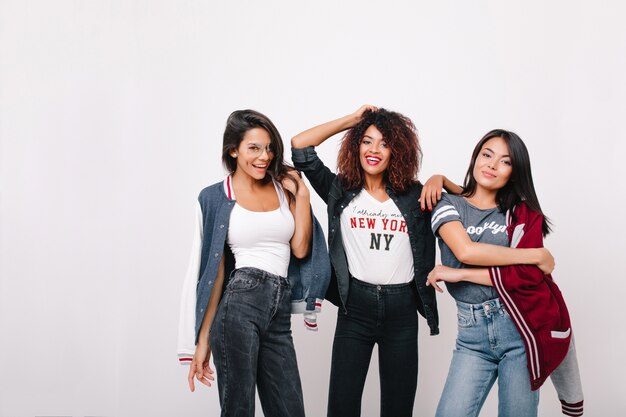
254	153
493	169
373	152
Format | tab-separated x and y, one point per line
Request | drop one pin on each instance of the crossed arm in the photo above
482	254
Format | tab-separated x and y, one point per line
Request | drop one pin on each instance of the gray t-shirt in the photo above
484	226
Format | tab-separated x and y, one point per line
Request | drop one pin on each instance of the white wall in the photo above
111	116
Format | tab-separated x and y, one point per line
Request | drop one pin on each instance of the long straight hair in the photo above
520	186
238	123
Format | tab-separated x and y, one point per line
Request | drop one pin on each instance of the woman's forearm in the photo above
483	254
451	187
477	276
318	134
301	240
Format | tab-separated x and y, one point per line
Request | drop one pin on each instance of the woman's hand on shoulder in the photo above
431	192
200	367
292	182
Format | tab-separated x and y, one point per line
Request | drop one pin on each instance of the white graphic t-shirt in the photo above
376	241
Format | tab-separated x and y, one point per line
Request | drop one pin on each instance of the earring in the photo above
234	155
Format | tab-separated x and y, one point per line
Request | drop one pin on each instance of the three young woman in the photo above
513	325
381	249
249	230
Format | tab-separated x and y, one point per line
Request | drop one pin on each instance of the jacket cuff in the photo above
302	155
310	321
185	358
572	409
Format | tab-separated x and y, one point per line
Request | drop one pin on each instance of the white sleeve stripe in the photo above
451	212
442	209
187	317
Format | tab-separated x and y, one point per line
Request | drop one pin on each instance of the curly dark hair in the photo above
401	137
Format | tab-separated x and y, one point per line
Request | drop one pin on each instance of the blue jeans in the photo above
488	346
252	346
382	314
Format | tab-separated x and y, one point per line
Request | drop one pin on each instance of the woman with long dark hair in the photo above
513	325
253	230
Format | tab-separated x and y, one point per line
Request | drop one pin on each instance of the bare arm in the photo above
483	254
200	364
431	192
301	210
318	134
447	274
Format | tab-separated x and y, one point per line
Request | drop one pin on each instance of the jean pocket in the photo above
464	320
241	283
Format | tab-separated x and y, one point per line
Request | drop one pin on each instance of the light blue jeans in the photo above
488	347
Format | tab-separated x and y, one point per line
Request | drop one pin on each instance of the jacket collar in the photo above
228	187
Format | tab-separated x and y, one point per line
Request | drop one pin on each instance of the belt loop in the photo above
472	314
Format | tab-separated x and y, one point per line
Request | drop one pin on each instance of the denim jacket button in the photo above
221	226
217	254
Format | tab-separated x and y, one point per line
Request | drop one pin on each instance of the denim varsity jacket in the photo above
336	197
309	277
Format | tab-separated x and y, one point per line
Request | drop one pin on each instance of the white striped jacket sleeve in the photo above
187	318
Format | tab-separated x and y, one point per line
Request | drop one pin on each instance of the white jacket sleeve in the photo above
187	318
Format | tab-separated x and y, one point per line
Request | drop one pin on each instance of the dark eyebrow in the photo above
491	150
369	137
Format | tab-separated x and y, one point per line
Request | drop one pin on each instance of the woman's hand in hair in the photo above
546	261
357	115
316	135
200	367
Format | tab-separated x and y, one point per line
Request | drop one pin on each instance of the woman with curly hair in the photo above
381	250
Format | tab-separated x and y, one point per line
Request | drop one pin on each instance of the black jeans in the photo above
252	345
382	314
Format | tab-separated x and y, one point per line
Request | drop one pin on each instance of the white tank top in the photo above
260	239
376	241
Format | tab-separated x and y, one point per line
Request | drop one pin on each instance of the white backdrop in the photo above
111	117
